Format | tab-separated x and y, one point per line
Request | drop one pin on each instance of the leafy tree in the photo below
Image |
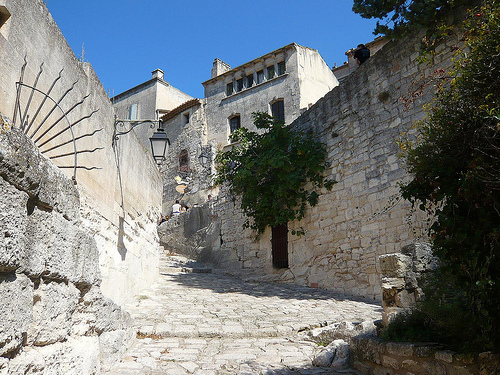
456	175
402	17
277	173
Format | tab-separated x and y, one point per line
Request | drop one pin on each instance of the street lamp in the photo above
159	140
159	144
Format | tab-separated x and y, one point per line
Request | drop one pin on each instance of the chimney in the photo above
158	73
219	68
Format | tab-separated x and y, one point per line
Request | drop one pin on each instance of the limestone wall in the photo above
363	217
54	318
121	200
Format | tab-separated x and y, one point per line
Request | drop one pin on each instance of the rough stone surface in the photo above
16	304
74	357
60	250
53	306
335	355
13	218
96	314
342	330
201	323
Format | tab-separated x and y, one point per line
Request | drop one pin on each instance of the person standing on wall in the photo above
361	54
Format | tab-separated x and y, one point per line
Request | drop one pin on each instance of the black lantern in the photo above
203	158
159	144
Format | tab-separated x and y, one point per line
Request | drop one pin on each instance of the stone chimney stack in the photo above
219	68
158	73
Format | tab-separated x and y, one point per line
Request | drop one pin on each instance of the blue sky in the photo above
126	40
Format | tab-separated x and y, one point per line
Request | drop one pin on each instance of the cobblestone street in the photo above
204	323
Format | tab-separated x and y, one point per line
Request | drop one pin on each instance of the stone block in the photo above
112	345
16	304
96	314
22	166
75	356
401	349
13	219
60	250
53	306
365	348
444	356
394	265
391	362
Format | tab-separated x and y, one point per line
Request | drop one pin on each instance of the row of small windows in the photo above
256	78
277	111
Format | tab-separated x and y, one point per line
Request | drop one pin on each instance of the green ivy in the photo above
456	176
277	172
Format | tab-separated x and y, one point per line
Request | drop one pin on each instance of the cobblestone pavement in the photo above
204	323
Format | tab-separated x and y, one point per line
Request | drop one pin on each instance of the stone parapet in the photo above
370	355
402	275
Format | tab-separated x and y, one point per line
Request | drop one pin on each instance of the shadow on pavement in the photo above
230	284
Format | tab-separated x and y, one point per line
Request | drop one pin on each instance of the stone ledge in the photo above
371	355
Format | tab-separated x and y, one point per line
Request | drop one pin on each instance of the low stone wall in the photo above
53	316
402	277
375	357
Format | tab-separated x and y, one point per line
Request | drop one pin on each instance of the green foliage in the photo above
403	17
456	176
277	173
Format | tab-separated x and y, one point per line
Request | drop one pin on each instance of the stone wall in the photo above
372	356
54	318
121	200
363	217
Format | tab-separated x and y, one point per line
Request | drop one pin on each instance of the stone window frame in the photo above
229	88
236	117
270	72
273	108
239	84
131	111
184	160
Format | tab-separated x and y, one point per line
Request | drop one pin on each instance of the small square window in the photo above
239	85
229	89
260	76
281	68
249	81
270	72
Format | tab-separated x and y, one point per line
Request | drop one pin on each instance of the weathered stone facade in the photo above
121	200
185	177
363	217
53	316
149	100
295	75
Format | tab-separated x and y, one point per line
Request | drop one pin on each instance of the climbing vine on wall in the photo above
277	172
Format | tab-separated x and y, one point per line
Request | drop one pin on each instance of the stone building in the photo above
283	83
148	100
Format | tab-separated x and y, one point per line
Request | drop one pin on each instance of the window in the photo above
249	81
270	72
132	111
185	118
229	89
281	68
234	123
279	244
260	76
239	85
278	110
184	161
